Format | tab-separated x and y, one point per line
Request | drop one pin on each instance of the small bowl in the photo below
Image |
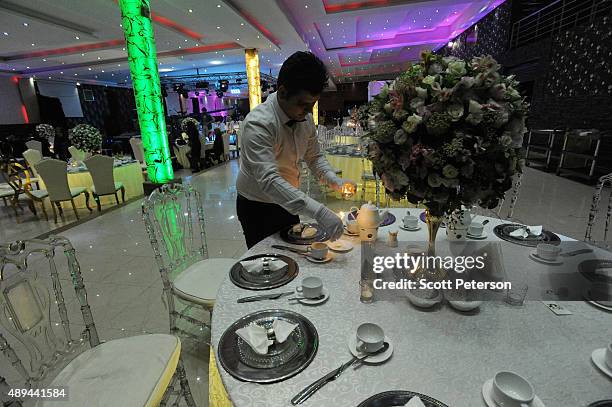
465	305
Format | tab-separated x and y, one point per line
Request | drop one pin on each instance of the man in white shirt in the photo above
276	136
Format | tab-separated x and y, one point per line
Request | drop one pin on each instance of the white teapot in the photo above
369	216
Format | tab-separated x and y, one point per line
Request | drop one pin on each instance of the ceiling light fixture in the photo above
33	44
218	5
78	83
190	10
76	37
218	27
25	24
5	33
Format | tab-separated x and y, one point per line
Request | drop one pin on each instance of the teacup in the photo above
352	226
609	356
512	390
410	222
318	250
312	287
475	229
548	251
370	337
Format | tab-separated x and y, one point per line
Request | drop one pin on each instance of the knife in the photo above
331	376
264	297
291	249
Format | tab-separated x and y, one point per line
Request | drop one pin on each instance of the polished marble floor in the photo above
124	285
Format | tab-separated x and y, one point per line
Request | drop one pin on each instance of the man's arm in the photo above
258	158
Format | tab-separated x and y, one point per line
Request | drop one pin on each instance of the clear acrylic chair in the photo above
369	180
44	349
603	181
101	169
174	219
55	177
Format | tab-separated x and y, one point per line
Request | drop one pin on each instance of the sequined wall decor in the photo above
492	39
581	61
252	68
142	56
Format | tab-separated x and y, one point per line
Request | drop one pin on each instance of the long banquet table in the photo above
443	353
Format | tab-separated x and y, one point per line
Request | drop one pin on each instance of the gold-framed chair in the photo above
19	182
101	169
55	176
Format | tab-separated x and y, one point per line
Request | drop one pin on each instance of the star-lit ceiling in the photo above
361	39
358	40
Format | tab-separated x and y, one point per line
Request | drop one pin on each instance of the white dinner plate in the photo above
599	359
410	229
327	259
534	256
340	246
308	301
481	237
383	357
487	390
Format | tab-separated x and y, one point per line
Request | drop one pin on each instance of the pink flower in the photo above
397	100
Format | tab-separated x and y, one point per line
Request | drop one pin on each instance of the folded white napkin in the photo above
282	329
256	265
414	402
256	336
527	231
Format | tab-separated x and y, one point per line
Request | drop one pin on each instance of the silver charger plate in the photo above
264	280
503	232
282	361
399	398
288	236
589	267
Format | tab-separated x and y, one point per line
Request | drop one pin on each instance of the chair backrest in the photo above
32	157
55	176
138	149
34	145
78	155
16	176
588	236
26	306
174	219
101	169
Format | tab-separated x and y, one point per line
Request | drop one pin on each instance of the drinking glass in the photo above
366	291
516	295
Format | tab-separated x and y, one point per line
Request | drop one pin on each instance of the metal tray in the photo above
399	398
282	361
288	236
264	280
503	232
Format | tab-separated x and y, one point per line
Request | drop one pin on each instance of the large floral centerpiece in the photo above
85	137
447	133
185	121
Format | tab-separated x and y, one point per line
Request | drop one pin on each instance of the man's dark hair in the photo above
303	71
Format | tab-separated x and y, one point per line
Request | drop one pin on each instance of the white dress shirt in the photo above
270	155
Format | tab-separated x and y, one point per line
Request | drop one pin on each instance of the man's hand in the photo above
330	222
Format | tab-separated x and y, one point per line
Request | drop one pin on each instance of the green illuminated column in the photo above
142	56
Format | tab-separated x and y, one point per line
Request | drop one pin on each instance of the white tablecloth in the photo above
441	353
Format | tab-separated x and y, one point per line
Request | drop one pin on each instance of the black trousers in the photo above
260	220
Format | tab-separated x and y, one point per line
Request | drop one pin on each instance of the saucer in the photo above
346	232
420	302
480	237
383	357
487	389
534	256
340	246
308	301
327	258
599	359
410	229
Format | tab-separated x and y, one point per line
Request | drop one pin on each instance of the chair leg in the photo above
116	198
5	202
54	211
87	201
180	369
44	210
76	213
122	194
97	199
32	207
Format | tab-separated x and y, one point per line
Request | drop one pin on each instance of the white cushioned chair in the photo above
101	169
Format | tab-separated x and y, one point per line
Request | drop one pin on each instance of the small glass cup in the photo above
516	295
366	291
